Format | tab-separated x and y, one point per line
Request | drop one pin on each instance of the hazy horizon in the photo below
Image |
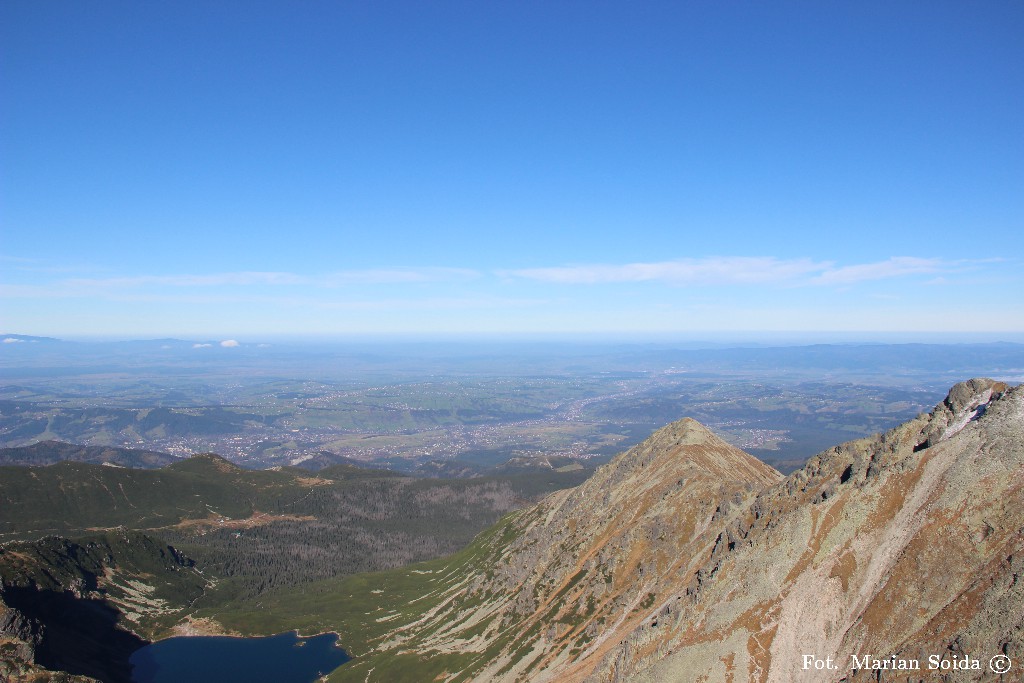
711	339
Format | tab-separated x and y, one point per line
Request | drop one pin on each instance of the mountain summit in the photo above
685	559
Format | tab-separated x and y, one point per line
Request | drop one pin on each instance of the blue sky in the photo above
250	169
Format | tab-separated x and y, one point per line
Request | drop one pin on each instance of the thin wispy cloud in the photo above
333	289
259	278
738	270
47	291
708	271
67	290
486	303
397	276
244	278
898	266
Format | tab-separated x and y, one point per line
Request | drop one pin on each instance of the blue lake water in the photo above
284	658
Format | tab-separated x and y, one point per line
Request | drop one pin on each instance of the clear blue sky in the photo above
259	168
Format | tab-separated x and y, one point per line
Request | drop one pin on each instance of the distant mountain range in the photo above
27	355
25	339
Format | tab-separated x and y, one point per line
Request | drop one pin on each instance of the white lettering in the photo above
857	662
817	663
954	663
893	663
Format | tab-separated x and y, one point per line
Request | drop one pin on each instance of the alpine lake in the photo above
284	658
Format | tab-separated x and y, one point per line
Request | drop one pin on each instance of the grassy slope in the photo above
367	609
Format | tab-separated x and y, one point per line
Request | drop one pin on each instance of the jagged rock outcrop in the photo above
686	559
20	636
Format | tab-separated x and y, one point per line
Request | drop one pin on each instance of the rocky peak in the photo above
685	432
967	396
685	447
966	401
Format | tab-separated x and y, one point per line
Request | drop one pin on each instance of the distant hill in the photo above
115	423
50	452
325	459
522	465
15	339
519	465
449	469
347	471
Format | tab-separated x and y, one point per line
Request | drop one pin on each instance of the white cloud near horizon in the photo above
897	266
714	270
385	276
736	270
146	286
273	278
260	286
229	343
244	278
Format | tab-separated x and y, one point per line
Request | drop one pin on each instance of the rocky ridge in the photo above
905	544
686	559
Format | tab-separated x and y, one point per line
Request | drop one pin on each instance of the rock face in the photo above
686	559
907	544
